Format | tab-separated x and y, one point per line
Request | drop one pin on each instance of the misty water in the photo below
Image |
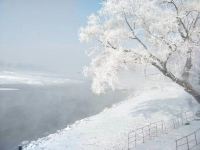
35	111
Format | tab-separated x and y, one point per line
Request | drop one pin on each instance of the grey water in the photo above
36	111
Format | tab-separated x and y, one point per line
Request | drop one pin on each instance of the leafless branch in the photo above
173	4
135	37
196	20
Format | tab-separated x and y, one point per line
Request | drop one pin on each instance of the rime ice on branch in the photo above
162	33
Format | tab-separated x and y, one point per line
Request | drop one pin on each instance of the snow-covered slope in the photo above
108	130
167	141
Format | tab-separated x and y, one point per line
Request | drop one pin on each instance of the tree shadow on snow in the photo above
170	106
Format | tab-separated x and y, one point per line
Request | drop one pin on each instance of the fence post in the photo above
143	134
162	128
156	130
177	123
195	138
173	123
188	147
186	117
128	141
193	115
149	131
176	144
182	120
135	139
20	147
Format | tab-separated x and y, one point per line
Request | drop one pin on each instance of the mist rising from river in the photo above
35	111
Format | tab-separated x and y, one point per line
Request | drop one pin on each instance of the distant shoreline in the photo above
8	89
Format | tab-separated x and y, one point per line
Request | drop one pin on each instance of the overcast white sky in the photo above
45	33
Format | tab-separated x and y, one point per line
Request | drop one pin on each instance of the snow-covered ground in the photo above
167	141
108	130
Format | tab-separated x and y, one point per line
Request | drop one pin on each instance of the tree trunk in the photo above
197	98
186	76
187	68
185	84
195	94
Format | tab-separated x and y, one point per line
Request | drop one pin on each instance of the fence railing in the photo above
144	133
180	120
189	142
149	131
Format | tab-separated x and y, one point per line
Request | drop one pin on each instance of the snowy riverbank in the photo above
108	129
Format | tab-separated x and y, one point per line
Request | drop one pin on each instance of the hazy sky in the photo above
45	32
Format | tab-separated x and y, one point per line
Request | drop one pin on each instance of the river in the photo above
28	112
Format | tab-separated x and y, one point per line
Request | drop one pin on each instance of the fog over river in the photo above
29	111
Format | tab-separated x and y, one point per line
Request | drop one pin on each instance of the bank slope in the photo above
108	130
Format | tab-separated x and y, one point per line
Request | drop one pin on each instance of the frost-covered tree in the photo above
162	33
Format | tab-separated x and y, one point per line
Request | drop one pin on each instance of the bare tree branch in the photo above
186	85
113	47
196	20
140	41
185	29
174	4
137	55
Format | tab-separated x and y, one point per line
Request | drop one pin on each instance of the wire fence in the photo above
144	133
180	120
152	130
189	142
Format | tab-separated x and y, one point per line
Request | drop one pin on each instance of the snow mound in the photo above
108	130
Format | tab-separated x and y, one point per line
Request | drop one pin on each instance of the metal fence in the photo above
142	134
189	142
149	131
180	120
